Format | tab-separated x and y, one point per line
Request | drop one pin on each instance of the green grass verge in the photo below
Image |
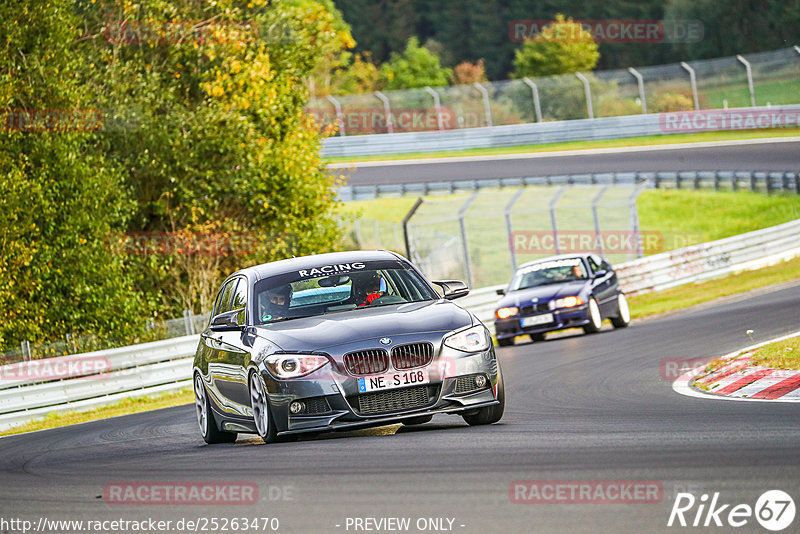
779	355
692	294
578	145
124	407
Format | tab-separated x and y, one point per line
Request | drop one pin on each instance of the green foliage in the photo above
415	67
59	196
561	48
203	134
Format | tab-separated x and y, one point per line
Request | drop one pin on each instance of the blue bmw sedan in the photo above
579	290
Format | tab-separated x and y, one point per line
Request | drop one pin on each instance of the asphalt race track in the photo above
752	155
579	408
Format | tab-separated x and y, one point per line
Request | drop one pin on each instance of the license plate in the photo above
537	319
393	380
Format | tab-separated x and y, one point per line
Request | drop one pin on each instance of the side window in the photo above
224	303
593	264
605	265
240	299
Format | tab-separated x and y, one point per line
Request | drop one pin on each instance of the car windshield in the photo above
550	272
328	289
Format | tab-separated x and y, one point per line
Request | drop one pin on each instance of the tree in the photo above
60	198
218	143
561	48
468	73
415	67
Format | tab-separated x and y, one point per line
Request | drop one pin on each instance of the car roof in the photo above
554	258
266	270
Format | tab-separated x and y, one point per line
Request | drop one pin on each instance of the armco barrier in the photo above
30	390
166	365
528	134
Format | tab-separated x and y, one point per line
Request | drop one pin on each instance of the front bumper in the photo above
333	402
562	318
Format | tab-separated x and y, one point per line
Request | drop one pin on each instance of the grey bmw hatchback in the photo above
340	341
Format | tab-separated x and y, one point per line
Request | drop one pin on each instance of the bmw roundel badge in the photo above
386	341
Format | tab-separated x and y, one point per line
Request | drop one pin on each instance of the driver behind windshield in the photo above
276	304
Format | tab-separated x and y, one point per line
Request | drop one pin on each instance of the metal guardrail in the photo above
166	365
710	260
542	132
755	181
33	389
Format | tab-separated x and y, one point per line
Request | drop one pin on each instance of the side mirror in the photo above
501	292
228	320
600	274
452	289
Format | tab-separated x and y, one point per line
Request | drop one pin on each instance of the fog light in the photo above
480	381
296	407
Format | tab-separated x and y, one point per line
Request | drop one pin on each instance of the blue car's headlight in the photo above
294	365
473	339
566	302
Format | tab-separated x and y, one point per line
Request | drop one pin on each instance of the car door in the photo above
605	287
230	352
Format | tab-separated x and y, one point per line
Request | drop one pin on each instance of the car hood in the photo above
323	331
543	293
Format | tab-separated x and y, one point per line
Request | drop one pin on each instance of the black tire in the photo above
262	415
421	420
505	342
205	417
623	317
490	414
595	318
537	337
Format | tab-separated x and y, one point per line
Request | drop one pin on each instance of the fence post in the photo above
749	70
187	322
487	110
588	91
509	229
377	234
26	350
387	111
552	208
537	108
634	218
437	103
462	228
597	237
339	116
407	218
640	83
693	82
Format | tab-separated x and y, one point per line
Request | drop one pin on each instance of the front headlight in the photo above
567	302
505	313
294	365
473	339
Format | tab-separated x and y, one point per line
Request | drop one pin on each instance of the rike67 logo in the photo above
774	510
